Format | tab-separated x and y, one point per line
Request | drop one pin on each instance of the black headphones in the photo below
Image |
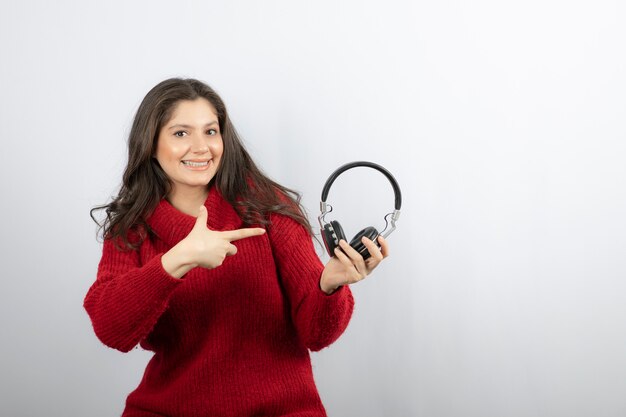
332	232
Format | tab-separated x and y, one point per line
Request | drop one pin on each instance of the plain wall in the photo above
502	121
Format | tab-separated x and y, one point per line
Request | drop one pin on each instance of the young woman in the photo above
210	264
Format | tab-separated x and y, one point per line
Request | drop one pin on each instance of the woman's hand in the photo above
204	247
348	266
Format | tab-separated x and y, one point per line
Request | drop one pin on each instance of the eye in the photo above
211	132
180	133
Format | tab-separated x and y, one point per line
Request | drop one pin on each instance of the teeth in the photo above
196	164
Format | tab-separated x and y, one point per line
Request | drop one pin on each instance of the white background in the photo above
503	122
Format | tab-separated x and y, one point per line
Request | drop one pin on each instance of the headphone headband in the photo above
343	168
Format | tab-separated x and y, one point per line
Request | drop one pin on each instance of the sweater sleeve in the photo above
319	318
127	298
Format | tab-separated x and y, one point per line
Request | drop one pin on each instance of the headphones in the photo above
332	232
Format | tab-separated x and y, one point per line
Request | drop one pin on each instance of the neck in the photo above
188	200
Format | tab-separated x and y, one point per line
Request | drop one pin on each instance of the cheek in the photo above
170	151
218	147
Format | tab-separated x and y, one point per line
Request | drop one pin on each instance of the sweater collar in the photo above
172	225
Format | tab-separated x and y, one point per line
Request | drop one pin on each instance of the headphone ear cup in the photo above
332	234
369	232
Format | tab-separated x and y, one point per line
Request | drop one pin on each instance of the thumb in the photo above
202	218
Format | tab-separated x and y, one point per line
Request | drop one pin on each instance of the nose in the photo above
199	145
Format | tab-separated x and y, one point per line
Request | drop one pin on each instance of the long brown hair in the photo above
253	195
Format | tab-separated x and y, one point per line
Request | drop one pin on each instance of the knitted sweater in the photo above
229	341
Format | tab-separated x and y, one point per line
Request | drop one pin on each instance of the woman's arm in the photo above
319	318
127	299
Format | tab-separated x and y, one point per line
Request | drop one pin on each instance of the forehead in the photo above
199	110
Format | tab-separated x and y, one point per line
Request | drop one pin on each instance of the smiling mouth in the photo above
195	164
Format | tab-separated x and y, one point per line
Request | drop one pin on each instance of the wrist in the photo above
326	288
177	261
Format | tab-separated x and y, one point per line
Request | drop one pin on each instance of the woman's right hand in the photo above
204	247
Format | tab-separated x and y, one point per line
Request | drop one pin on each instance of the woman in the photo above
210	265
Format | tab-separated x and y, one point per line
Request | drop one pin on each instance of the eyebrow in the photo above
189	126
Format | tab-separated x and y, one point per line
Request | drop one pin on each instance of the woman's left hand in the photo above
348	266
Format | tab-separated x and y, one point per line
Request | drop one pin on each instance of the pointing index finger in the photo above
233	235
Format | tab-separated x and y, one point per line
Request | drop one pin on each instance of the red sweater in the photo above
229	341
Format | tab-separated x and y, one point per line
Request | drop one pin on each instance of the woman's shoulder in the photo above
131	240
286	227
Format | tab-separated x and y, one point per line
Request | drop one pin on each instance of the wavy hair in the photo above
251	193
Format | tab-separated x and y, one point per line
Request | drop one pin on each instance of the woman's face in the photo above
189	146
